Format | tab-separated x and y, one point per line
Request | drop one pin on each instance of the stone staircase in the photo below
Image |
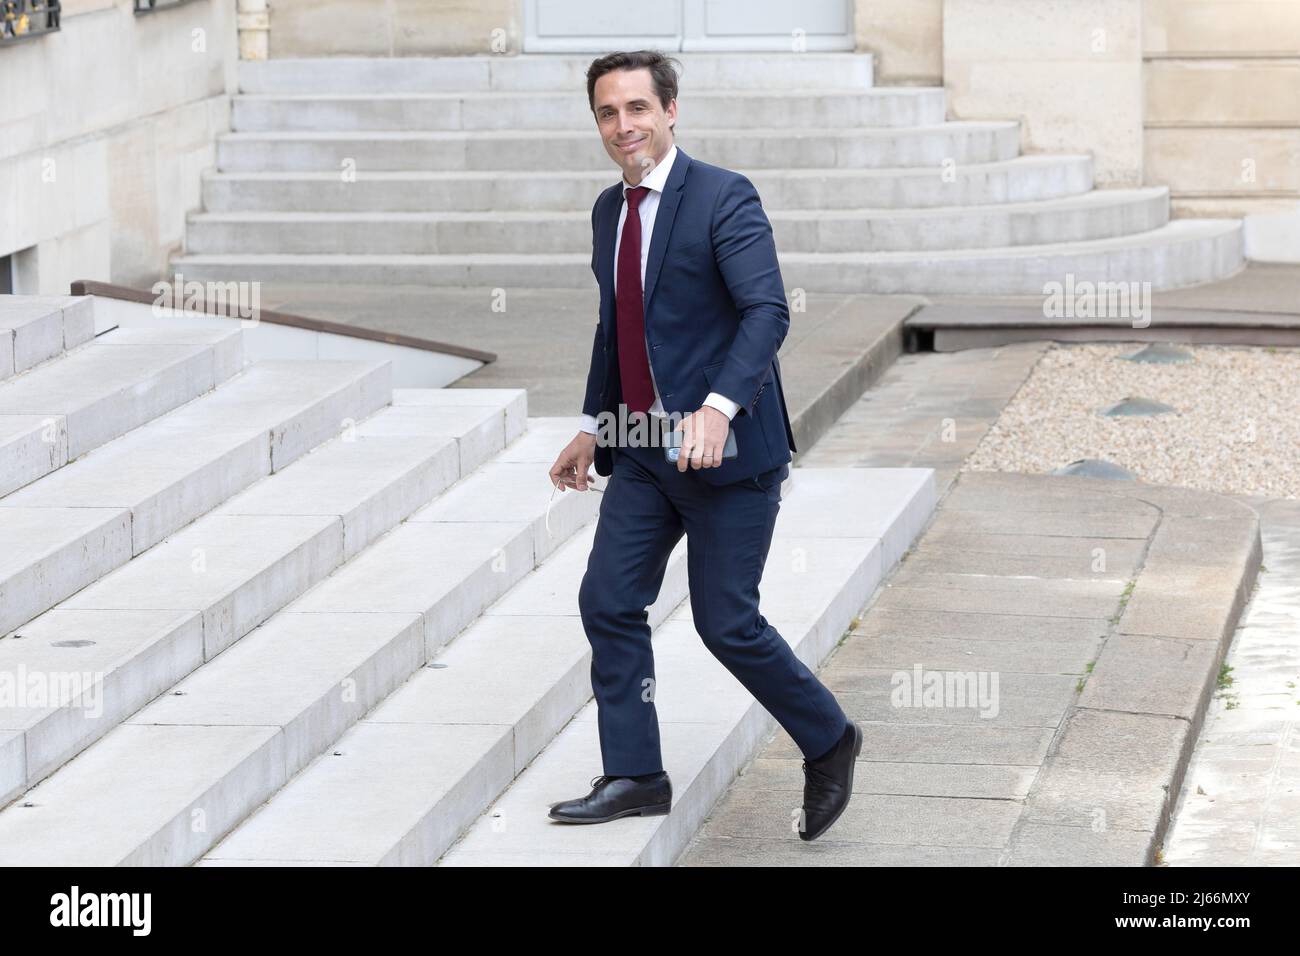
226	614
460	168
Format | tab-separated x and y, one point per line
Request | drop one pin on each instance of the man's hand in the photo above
570	469
704	435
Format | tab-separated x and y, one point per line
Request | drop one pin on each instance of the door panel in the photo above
599	26
779	25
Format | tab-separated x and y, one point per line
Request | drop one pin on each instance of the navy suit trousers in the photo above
646	508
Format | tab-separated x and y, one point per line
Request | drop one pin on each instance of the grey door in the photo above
597	26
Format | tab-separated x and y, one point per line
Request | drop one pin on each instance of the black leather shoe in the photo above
828	784
614	797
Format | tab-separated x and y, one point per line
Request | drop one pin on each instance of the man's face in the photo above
634	126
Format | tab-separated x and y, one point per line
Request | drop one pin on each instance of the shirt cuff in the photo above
588	424
723	404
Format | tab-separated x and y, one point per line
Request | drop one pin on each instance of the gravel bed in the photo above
1236	430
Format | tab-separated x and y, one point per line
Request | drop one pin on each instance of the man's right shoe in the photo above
828	784
614	797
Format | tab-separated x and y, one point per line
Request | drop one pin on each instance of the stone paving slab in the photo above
872	819
1036	698
1209	600
986	580
1103	610
1119	553
1109	769
1019	656
927	409
1058	524
973	781
982	627
1080	562
946	743
1121	679
723	851
1035	598
1040	844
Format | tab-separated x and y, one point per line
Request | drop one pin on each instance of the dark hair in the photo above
662	74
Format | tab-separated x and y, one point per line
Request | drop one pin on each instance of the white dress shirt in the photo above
654	181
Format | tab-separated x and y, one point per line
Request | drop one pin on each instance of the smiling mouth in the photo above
628	147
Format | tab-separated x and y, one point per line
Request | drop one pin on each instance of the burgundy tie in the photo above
633	365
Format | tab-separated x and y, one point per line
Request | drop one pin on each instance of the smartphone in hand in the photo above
673	445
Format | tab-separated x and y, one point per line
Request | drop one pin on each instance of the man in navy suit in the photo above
692	312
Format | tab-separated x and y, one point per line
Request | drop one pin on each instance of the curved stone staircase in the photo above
481	171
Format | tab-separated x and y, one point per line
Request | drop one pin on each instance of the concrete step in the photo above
1023	179
528	72
60	409
34	328
1095	215
302	522
442	748
568	110
1182	252
160	617
523	666
68	530
755	147
236	728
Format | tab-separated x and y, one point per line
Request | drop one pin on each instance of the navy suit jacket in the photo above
715	313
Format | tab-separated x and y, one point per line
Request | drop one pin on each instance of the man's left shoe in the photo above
828	784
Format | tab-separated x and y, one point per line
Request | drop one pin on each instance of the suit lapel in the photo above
607	228
668	203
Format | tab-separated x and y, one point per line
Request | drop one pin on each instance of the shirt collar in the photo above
657	177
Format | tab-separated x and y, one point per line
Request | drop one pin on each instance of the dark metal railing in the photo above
24	19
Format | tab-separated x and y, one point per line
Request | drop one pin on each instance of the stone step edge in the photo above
369	375
586	136
671	595
225	354
70	321
1079	202
1175	231
876	92
1012	164
141	654
165	835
